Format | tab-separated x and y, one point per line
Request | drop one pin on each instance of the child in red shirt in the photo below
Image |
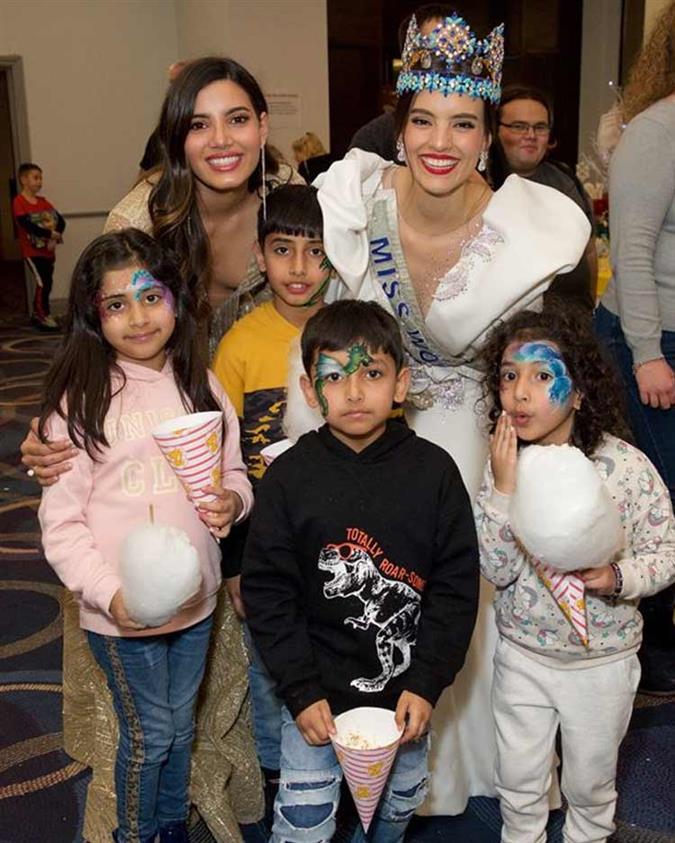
40	229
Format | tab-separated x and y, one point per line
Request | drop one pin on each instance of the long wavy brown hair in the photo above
652	77
177	223
592	375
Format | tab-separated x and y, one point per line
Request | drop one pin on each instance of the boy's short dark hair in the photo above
292	209
27	167
340	325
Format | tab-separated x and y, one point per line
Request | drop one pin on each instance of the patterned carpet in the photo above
42	790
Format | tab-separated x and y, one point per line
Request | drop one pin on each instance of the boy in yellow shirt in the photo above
251	362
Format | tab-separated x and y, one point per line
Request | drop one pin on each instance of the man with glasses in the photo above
524	123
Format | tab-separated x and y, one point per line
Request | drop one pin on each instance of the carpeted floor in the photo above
42	790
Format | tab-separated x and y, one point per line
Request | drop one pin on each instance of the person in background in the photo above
521	146
41	229
636	317
310	156
379	134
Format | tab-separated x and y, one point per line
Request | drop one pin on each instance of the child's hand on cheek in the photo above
119	612
221	513
316	723
504	455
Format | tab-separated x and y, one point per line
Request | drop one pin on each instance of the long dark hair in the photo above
173	207
601	408
78	385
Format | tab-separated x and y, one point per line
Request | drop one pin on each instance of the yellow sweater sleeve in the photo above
229	368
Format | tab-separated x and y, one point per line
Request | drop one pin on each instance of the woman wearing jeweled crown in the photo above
449	258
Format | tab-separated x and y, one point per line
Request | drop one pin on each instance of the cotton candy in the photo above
561	511
160	570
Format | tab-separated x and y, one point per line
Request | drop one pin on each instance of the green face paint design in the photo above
328	267
330	369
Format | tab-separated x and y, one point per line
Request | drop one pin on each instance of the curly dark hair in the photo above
592	375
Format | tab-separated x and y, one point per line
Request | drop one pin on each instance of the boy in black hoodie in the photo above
360	575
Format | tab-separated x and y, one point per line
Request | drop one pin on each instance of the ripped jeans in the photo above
307	801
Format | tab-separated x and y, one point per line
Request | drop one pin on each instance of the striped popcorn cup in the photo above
366	743
193	447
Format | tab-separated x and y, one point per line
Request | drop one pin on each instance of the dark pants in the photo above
654	432
42	270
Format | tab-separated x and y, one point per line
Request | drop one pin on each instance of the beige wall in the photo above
95	73
284	45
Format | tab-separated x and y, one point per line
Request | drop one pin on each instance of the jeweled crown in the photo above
452	60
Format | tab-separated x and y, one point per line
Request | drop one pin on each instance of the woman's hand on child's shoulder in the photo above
504	455
600	580
220	514
46	461
119	612
316	723
413	714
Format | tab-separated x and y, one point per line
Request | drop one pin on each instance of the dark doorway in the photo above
12	286
543	48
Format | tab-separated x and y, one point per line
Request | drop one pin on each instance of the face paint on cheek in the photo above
327	366
313	299
560	389
104	313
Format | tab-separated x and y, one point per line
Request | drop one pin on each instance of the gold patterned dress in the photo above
226	783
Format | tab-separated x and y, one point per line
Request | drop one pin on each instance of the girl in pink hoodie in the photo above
129	360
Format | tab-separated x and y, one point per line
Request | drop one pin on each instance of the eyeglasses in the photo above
521	128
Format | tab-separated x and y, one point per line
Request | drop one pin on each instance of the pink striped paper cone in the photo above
568	591
366	743
193	447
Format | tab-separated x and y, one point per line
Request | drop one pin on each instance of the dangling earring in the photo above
482	161
264	185
400	150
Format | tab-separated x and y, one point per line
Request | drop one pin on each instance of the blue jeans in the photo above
654	430
266	708
154	682
305	807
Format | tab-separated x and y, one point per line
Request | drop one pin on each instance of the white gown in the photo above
530	234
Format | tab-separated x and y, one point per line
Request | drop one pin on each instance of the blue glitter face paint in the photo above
327	366
561	387
142	282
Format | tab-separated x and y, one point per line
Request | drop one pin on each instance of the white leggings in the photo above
592	706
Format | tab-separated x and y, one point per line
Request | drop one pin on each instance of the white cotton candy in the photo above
160	570
561	511
299	417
